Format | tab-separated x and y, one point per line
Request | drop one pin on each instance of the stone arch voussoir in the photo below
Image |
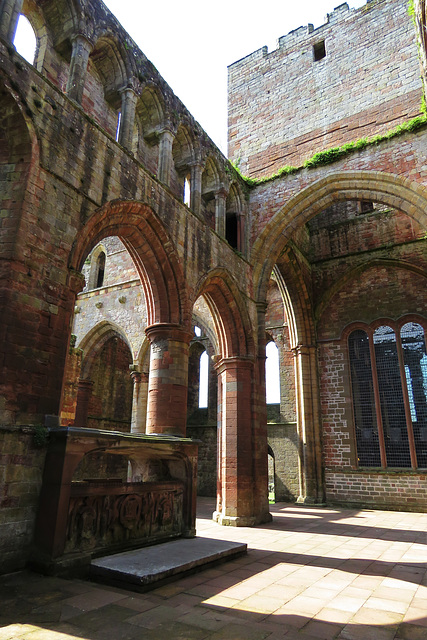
95	339
356	271
389	189
229	312
152	251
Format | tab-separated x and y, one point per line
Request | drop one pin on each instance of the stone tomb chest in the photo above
80	518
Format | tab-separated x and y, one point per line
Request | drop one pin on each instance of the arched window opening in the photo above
389	387
100	270
368	448
203	380
197	332
119	122
272	374
187	191
231	230
25	40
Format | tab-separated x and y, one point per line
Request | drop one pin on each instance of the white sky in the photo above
191	42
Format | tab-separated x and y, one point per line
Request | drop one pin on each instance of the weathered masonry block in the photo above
324	87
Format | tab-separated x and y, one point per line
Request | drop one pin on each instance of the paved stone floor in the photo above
311	574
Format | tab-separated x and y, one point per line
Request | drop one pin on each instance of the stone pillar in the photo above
139	402
129	100
10	11
165	156
78	67
309	429
235	505
260	435
84	394
220	212
167	382
196	187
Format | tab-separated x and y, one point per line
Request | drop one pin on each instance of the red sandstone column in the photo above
84	393
308	416
9	16
235	494
78	67
139	402
129	100
168	379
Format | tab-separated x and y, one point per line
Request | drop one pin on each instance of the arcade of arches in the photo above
140	272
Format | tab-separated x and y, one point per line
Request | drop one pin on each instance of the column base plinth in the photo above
233	521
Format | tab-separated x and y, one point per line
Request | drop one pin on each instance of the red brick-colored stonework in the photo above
295	105
105	272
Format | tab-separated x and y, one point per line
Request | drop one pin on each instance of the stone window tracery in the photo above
388	372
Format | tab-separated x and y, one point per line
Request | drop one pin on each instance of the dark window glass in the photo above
391	398
415	359
368	450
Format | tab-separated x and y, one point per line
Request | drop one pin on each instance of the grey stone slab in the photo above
147	568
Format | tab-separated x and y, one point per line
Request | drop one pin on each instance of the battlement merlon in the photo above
297	37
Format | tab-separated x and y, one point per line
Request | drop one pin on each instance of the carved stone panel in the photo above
107	518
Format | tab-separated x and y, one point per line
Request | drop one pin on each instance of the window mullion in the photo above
377	402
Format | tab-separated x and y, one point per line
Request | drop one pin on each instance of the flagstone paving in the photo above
311	574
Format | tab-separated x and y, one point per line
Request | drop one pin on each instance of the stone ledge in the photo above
148	568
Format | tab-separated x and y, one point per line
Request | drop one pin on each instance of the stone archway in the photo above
242	444
276	248
395	191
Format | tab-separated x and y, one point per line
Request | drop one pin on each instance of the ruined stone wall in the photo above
402	156
283	441
374	291
110	403
285	105
22	455
282	430
59	167
206	434
378	489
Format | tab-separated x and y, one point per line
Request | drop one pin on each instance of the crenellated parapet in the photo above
324	87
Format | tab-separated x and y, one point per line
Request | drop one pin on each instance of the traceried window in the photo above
388	371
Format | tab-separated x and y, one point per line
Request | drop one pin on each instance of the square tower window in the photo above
319	51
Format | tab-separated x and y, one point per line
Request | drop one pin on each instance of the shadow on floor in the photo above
202	606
